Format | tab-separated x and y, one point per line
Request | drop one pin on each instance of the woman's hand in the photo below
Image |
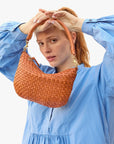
26	27
73	23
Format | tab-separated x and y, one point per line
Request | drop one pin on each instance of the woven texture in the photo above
52	90
33	84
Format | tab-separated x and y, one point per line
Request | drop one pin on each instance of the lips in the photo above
51	58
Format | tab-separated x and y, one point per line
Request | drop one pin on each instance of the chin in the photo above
53	65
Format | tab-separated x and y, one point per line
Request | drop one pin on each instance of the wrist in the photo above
78	24
23	28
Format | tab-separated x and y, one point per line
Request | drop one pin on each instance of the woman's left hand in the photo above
73	23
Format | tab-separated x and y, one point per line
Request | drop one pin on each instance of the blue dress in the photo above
88	117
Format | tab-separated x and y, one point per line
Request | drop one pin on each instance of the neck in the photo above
69	64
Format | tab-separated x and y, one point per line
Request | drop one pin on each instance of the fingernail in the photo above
38	21
51	21
34	21
53	16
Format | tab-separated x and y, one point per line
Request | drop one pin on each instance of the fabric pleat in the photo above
48	139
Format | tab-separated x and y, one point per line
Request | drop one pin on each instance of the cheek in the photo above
64	49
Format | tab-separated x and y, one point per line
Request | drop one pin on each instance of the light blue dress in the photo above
88	117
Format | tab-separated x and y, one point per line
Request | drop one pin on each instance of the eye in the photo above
54	40
40	43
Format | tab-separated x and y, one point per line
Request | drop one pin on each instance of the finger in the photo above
59	14
42	10
50	13
40	17
48	24
55	23
43	27
37	16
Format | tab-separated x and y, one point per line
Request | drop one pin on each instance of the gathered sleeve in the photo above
12	41
102	31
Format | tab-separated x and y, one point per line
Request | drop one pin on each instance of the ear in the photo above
73	36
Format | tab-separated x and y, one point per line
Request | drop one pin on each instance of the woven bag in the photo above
51	90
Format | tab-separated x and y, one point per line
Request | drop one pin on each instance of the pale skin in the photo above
53	43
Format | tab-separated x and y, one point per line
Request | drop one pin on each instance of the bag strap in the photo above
65	28
73	52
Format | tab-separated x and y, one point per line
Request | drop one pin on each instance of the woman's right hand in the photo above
26	27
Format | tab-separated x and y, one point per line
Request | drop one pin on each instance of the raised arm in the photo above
102	31
12	41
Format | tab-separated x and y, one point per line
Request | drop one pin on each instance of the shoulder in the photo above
83	69
91	74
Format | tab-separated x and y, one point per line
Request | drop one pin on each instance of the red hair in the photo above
82	53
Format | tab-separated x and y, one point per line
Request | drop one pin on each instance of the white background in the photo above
13	109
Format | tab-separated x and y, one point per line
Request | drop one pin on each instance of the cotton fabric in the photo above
88	117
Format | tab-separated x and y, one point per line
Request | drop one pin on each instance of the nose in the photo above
47	48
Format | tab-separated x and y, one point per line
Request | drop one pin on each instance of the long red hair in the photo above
82	53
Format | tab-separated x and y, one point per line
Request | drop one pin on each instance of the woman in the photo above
88	117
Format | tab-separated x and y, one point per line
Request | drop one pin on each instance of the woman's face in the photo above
55	47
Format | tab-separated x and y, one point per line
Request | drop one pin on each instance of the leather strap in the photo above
63	25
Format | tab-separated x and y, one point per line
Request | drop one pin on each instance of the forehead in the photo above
52	31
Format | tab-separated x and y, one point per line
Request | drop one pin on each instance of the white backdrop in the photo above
13	109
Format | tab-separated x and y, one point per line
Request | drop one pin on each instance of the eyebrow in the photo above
47	38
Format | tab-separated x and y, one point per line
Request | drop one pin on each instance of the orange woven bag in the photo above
51	90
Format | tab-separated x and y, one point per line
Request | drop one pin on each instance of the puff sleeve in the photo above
12	41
